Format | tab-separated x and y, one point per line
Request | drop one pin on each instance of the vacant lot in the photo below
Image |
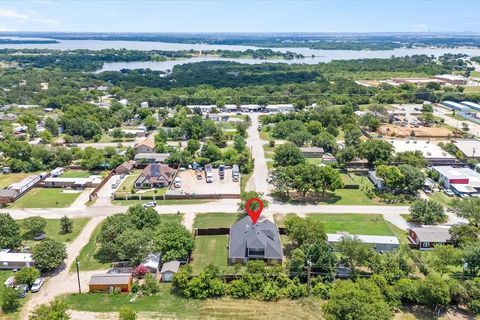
209	249
424	132
53	230
164	305
46	198
215	220
367	224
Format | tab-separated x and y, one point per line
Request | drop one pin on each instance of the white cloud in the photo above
25	17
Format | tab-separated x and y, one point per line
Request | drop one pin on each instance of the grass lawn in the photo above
441	198
243	180
165	305
264	135
53	229
160	202
347	179
76	174
214	220
471	89
350	197
315	161
46	198
128	182
270	165
369	224
209	249
475	74
8	179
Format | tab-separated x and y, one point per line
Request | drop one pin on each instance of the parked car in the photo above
199	174
463	195
22	290
37	285
150	204
448	192
427	191
177	182
10	282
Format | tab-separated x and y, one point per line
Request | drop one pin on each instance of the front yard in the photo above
215	220
46	198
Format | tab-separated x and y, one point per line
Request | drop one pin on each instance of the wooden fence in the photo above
94	193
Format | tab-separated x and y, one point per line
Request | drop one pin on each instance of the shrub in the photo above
10	302
140	271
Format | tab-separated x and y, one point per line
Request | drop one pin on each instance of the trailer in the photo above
235	173
208	173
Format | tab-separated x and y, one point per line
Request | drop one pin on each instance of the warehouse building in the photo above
455	106
452	79
460	180
471	105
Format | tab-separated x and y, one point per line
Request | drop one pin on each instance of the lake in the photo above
320	55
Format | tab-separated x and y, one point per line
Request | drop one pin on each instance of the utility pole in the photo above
309	270
78	275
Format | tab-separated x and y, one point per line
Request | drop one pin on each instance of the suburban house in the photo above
427	237
155	175
254	241
126	167
14	260
169	269
146	146
151	157
312	152
107	283
460	180
379	243
73	183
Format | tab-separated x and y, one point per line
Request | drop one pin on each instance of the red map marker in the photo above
254	215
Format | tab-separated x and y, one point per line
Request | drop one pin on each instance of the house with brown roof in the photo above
146	146
126	167
155	175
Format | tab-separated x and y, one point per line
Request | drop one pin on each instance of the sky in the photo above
240	16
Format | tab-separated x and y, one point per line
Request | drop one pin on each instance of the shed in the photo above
109	282
312	152
168	270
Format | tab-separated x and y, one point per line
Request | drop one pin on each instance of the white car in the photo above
449	192
37	285
10	282
150	204
178	182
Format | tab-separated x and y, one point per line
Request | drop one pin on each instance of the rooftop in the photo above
171	266
428	148
110	279
470	148
15	257
432	234
336	237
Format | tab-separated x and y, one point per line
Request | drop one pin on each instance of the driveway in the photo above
105	193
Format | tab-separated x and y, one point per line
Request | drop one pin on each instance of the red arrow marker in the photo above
254	215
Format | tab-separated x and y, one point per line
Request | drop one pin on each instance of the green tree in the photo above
354	252
427	212
413	158
150	122
127	313
287	154
193	146
376	151
33	226
174	241
300	138
66	225
247	195
211	152
49	254
52	126
9	232
301	231
434	291
471	257
468	209
413	178
10	301
328	179
391	175
55	310
143	218
325	140
444	257
117	134
239	143
133	245
360	300
26	276
352	135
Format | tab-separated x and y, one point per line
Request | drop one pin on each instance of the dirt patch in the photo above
424	132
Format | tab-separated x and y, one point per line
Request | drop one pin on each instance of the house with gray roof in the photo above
254	241
425	238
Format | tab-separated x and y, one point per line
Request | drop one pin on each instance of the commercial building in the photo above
108	283
455	106
73	183
428	148
312	152
279	108
379	243
155	176
427	237
452	79
203	108
471	105
470	148
254	241
14	260
460	180
15	190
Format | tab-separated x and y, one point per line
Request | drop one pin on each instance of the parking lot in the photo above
191	185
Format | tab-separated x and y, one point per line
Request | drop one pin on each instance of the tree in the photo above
427	212
391	175
211	152
325	140
413	178
413	158
10	301
371	121
55	310
468	209
33	226
142	217
376	151
445	256
127	313
299	138
133	245
471	257
433	291
464	233
352	135
360	300
301	231
150	122
49	254
66	225
328	179
117	134
287	154
239	143
193	146
174	241
247	195
9	232
26	276
52	126
354	251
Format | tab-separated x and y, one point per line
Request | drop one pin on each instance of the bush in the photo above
270	292
26	276
150	285
127	313
140	271
321	290
10	302
271	143
66	225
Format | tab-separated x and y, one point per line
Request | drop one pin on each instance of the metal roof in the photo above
110	279
432	234
336	237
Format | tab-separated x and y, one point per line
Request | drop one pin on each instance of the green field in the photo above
475	74
46	198
53	230
164	305
243	180
89	257
160	202
76	174
441	198
214	220
209	249
315	161
366	224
